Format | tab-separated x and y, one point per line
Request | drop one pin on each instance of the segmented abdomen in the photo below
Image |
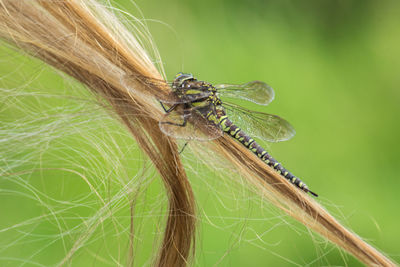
229	127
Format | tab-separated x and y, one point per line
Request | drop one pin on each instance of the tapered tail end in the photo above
305	189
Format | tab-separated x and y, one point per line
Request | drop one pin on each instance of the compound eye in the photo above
179	74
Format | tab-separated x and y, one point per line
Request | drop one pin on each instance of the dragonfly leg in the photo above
168	110
183	148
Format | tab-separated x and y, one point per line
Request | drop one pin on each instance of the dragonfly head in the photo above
181	77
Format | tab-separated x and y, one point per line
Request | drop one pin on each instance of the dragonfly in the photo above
195	111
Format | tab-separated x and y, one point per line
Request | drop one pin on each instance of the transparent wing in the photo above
132	81
265	126
189	125
255	91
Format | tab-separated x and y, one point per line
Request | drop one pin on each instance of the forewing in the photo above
196	128
265	126
255	91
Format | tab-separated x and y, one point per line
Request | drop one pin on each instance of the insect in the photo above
195	111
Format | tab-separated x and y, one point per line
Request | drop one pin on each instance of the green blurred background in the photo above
334	66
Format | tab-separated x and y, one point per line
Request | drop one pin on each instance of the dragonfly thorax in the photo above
186	87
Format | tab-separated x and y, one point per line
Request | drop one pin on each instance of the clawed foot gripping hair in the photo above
85	40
